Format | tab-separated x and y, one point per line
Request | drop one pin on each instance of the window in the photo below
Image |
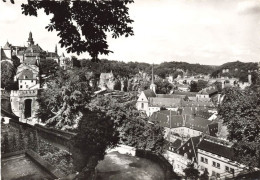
20	81
32	80
21	86
213	173
232	170
227	168
205	160
214	164
218	165
142	105
26	86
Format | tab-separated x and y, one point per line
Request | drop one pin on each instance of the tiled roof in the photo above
7	46
185	93
190	148
34	49
26	74
170	96
174	145
213	129
189	121
196	104
197	123
149	93
30	61
209	90
216	148
167	102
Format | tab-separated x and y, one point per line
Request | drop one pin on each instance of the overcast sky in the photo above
196	31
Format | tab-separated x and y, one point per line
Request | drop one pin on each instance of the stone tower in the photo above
30	39
153	86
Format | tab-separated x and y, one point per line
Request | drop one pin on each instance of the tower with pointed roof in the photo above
6	52
56	50
30	39
153	86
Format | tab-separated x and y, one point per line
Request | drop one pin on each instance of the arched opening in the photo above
28	108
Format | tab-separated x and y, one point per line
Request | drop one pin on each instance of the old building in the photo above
217	156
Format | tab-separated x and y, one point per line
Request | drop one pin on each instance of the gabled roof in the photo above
170	96
26	74
149	93
216	148
34	49
189	121
7	46
190	148
167	102
209	90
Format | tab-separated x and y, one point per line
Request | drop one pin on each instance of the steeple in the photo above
30	39
56	50
153	86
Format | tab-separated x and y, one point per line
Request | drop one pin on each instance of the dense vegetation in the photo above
240	111
237	69
131	68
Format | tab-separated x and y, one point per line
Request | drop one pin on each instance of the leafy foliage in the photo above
7	73
134	129
163	87
241	114
237	69
205	175
82	25
60	103
191	172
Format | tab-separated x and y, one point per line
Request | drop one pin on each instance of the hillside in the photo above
235	69
132	68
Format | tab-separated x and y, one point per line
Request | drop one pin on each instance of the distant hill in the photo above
235	69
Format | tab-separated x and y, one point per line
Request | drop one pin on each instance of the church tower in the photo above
30	39
56	49
153	86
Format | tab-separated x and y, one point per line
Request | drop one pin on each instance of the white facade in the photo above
142	103
186	132
217	166
25	84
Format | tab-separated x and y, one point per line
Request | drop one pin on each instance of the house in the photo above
143	100
207	92
183	155
185	125
217	156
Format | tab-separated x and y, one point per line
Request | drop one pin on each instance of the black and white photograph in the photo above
130	89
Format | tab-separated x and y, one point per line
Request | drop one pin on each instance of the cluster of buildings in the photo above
23	100
192	129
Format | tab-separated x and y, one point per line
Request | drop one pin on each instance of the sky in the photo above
209	32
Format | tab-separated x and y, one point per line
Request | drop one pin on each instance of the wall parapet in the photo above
24	93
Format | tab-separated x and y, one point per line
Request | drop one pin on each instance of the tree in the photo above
82	25
95	134
66	94
201	85
205	175
163	87
191	172
241	114
134	129
7	73
193	86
